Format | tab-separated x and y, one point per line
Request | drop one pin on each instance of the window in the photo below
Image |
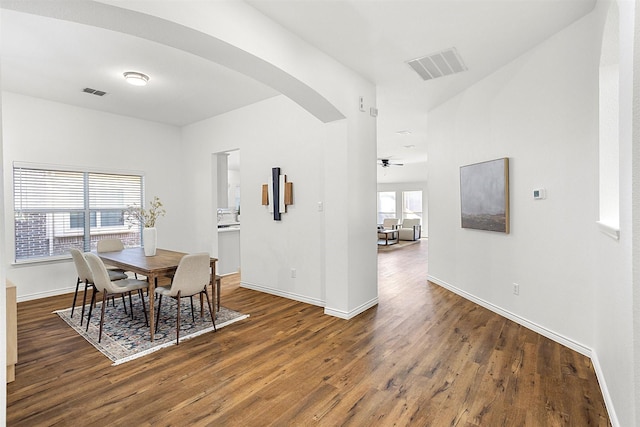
76	220
412	205
386	205
609	143
57	209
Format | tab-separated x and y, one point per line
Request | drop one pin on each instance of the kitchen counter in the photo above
228	248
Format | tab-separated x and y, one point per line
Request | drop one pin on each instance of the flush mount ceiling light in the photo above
135	78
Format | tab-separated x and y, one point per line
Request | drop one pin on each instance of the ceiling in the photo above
54	59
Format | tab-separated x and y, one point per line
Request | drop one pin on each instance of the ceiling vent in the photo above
94	91
438	64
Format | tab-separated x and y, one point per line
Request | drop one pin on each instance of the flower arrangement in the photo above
138	215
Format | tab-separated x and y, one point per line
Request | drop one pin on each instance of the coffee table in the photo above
389	234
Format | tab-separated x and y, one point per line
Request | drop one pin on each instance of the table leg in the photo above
152	314
212	282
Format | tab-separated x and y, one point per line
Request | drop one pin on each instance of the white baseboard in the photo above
608	401
284	294
50	293
559	338
353	313
313	301
554	336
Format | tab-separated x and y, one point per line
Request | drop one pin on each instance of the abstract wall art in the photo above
278	194
484	195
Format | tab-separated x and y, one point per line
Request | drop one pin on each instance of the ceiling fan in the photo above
385	163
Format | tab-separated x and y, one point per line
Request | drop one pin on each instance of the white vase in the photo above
149	238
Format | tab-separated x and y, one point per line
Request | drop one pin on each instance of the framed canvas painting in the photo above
484	195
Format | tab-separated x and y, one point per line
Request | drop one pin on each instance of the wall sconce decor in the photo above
278	194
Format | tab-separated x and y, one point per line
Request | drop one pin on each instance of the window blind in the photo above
57	209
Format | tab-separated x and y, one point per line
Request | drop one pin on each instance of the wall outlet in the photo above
293	273
516	289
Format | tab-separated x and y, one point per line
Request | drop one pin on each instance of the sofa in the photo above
410	229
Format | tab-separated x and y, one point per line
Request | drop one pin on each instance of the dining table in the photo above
163	263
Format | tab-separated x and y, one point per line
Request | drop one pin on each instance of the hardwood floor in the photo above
423	357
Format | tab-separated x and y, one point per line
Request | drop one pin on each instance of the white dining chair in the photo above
85	276
109	288
191	278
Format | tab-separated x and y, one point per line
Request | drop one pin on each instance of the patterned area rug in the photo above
124	339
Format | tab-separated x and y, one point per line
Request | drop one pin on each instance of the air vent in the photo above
438	64
94	91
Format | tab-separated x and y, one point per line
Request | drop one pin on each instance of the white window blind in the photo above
57	209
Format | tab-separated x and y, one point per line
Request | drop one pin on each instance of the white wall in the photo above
283	135
3	294
541	112
39	131
613	340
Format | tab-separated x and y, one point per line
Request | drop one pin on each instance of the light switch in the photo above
539	194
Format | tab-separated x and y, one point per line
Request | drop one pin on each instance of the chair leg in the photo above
75	296
131	305
84	301
158	316
193	317
144	309
104	306
93	301
206	294
124	304
178	320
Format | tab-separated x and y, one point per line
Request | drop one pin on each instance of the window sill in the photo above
610	230
34	261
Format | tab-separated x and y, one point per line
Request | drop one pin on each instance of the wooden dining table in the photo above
163	263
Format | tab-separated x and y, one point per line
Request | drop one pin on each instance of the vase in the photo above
149	238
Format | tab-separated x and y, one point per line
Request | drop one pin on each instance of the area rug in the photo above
125	339
401	244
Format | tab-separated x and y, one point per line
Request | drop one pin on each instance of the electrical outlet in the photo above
516	289
293	273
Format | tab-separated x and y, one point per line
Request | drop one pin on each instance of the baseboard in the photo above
327	310
608	401
559	338
353	313
280	293
51	293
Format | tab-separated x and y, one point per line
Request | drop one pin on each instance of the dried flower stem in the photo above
138	215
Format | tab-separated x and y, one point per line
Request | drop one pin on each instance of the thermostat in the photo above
539	194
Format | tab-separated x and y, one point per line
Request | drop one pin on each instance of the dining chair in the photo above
191	278
111	245
84	275
103	284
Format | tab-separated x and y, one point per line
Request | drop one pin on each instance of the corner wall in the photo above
272	133
541	111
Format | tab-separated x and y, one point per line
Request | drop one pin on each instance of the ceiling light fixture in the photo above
135	78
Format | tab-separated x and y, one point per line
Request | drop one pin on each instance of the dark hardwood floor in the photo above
422	357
